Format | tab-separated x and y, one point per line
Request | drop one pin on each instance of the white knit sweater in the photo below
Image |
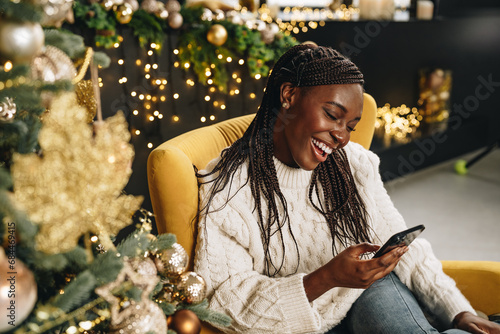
230	256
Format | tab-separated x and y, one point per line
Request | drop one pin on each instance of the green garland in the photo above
148	28
242	42
193	46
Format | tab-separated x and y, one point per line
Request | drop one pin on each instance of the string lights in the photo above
147	98
397	123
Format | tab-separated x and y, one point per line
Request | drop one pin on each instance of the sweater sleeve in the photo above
419	269
229	255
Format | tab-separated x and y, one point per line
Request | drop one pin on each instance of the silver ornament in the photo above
267	35
173	6
150	6
20	41
7	110
175	20
147	317
55	12
144	266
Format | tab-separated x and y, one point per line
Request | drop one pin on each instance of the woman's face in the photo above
318	121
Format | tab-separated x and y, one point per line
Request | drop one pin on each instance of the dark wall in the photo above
464	38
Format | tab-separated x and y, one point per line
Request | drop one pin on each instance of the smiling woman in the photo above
317	120
288	211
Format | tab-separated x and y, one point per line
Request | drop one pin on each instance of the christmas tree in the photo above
61	200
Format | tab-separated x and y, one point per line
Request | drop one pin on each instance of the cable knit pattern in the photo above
230	255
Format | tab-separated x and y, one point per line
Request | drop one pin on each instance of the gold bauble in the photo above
172	261
124	13
217	35
184	322
192	287
8	110
175	20
20	41
147	317
18	290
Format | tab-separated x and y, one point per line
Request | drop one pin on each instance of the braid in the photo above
336	196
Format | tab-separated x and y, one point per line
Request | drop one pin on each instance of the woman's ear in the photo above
287	92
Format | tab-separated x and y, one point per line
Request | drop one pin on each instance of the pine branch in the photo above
76	292
167	308
164	241
77	259
205	314
135	244
72	44
22	11
106	267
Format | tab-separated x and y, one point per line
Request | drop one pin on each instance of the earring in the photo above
285	105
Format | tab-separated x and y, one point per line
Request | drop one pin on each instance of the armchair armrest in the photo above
479	281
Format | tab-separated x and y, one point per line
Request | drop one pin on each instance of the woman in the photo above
289	210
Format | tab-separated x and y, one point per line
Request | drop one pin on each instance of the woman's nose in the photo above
340	136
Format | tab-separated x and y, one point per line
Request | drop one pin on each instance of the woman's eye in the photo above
330	115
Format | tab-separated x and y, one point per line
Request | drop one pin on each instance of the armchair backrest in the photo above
172	183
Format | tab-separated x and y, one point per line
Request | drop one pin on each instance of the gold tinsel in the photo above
75	187
85	97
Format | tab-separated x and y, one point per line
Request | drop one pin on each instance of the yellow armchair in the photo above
174	195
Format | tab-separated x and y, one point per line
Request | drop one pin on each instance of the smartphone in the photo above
400	239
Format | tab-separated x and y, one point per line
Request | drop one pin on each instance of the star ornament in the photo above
127	274
75	186
140	317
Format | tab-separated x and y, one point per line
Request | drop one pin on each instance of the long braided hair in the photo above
332	182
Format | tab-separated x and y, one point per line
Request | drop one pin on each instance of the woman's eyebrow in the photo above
338	105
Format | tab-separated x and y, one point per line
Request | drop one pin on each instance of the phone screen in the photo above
400	239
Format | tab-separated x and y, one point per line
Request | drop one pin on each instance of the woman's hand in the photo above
348	270
474	324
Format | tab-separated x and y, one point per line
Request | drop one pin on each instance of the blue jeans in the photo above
387	307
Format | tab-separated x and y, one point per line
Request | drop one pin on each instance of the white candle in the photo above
376	9
425	9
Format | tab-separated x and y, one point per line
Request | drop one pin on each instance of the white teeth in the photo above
325	148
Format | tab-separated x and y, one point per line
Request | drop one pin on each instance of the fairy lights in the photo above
154	99
397	122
